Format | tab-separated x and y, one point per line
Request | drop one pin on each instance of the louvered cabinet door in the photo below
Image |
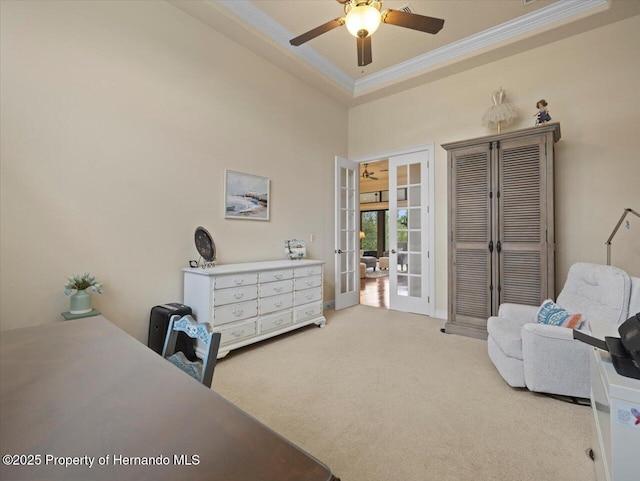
470	234
501	224
523	217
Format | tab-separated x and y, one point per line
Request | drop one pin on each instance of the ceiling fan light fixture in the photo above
363	20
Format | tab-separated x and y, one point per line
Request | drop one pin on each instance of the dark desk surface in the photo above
85	389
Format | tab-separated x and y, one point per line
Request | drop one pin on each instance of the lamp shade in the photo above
363	18
362	236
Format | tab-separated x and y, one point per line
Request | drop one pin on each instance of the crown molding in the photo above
562	10
281	36
491	37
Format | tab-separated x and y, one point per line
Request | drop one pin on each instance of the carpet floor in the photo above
383	395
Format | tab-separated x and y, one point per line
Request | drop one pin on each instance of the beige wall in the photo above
591	84
118	122
119	119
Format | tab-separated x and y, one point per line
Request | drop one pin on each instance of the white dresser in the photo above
253	301
615	401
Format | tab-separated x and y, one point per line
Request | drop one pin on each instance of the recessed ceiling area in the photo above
474	32
393	45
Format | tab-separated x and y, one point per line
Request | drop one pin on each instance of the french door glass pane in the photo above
414	173
414	218
403	285
414	196
415	240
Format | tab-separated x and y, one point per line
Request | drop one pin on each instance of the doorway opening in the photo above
374	241
396	226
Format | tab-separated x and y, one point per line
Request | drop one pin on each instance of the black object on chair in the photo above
159	325
200	371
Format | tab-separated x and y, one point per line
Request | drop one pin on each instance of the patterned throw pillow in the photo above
554	315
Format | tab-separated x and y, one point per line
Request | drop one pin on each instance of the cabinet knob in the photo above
278	276
238	312
238	281
239	295
238	333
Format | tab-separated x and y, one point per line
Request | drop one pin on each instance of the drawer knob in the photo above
309	296
238	281
238	312
309	283
278	304
309	312
238	295
278	322
278	276
238	333
278	289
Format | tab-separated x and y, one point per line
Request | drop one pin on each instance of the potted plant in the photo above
84	284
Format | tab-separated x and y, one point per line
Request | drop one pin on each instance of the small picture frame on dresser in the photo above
246	196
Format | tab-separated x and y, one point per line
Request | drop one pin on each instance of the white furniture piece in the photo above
546	358
616	436
252	301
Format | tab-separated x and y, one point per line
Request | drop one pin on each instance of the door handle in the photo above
393	251
340	251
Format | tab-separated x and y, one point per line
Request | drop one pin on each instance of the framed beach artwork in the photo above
246	196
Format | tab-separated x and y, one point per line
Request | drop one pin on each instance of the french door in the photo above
346	253
409	236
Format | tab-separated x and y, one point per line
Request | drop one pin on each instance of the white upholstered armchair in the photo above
546	358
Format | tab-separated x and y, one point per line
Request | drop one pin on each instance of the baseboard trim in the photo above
440	314
452	327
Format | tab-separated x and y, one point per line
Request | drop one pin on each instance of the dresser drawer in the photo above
308	295
307	271
275	303
276	321
307	282
238	332
275	288
235	280
309	311
272	276
234	294
234	312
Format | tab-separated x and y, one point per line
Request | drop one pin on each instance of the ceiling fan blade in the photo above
324	28
413	21
364	51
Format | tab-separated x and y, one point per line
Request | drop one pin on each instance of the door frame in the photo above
429	148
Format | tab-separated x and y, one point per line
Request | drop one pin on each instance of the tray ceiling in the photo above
474	32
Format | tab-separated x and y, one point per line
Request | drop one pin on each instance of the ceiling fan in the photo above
363	17
368	175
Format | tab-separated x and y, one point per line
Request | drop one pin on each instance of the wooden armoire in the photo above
500	224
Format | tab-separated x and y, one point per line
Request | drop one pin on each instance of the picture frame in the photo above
246	196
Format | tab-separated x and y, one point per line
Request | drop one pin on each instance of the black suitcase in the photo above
159	324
